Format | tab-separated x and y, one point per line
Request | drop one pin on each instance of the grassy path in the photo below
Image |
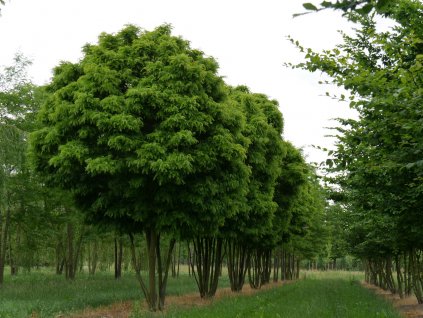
320	297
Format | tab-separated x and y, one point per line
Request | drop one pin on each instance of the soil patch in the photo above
408	307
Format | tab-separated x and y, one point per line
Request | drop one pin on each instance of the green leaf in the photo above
382	4
310	6
366	9
326	4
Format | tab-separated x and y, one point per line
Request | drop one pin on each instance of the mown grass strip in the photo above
311	297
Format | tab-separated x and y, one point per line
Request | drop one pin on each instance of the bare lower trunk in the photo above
237	256
206	264
416	264
118	257
155	291
73	250
164	271
4	229
92	257
276	261
255	269
400	278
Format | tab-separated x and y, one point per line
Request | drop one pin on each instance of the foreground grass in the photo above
333	294
318	295
48	295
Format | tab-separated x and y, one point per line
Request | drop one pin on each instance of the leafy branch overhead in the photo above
347	6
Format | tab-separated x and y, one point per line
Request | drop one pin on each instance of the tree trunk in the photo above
164	271
179	259
416	273
73	251
389	275
118	257
255	269
206	263
13	253
283	265
238	259
276	261
267	266
4	229
154	255
70	273
92	257
400	278
173	263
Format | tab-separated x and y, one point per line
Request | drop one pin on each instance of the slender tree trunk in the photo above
179	259
93	258
400	278
70	250
276	266
154	255
164	271
389	275
283	265
206	264
13	252
190	262
73	250
407	273
267	266
416	273
255	269
136	262
151	238
238	259
297	271
4	229
118	257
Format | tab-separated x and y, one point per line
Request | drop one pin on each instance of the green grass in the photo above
330	294
48	295
333	294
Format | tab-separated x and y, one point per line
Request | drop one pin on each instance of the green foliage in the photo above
139	131
362	7
294	171
263	129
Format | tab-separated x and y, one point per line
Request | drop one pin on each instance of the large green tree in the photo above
140	133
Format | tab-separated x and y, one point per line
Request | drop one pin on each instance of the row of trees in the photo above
377	164
143	137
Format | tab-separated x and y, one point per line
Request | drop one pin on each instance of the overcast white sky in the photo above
246	37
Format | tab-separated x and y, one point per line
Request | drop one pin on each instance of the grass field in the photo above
332	294
48	295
